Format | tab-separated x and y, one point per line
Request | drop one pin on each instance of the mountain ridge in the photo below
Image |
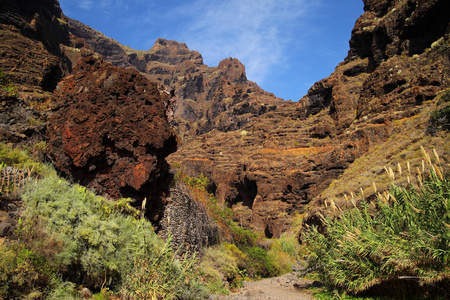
199	89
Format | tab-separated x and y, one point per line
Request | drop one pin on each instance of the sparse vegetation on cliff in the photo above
6	87
440	118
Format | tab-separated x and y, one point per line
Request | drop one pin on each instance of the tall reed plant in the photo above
401	237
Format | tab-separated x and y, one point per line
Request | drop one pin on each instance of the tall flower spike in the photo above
353	199
438	172
436	155
419	174
391	173
424	153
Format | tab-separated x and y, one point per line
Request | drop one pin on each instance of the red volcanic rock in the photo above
110	131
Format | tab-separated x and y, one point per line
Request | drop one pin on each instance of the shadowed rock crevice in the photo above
246	193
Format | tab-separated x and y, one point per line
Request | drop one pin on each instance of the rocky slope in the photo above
301	154
31	33
266	159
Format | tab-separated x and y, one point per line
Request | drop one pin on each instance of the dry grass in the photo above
403	146
295	151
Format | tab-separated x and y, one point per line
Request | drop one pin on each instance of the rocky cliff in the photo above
31	33
395	75
373	109
268	159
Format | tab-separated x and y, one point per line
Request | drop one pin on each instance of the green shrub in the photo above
6	87
259	264
63	290
162	277
28	264
284	252
402	237
439	120
16	157
220	264
201	182
242	237
102	246
99	246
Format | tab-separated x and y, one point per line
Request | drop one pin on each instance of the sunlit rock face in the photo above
109	131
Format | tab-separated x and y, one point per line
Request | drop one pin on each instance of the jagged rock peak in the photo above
173	52
175	46
233	70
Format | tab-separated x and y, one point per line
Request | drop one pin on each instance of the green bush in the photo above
103	247
16	157
201	182
28	264
221	264
284	252
439	120
260	264
160	277
402	237
6	87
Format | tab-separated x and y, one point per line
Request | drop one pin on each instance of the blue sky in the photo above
285	45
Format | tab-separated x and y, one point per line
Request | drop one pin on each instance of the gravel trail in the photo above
286	287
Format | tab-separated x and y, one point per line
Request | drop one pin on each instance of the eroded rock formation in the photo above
187	222
110	132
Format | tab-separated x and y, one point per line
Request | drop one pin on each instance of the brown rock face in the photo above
31	33
389	28
284	160
110	131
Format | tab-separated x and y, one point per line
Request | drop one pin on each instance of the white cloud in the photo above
86	4
257	32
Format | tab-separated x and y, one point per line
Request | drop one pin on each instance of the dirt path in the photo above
286	287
